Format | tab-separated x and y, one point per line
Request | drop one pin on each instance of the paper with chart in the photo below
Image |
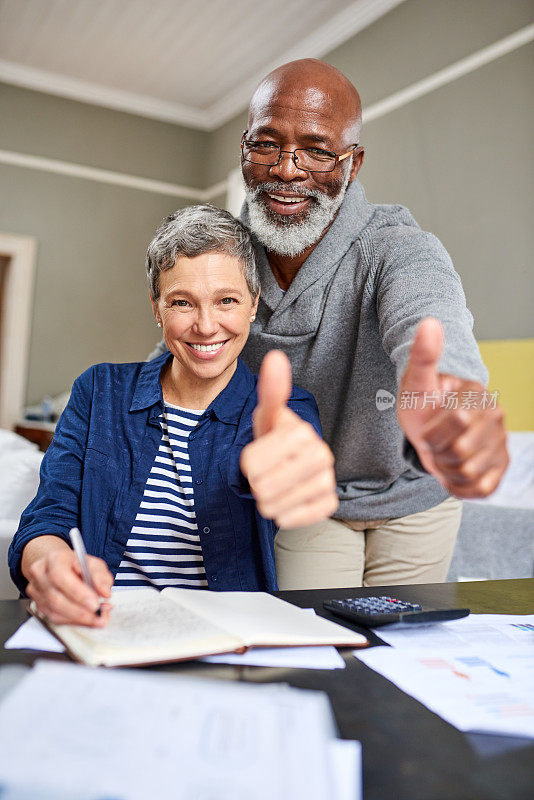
132	735
488	690
495	631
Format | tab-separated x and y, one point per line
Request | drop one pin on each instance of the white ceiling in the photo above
193	62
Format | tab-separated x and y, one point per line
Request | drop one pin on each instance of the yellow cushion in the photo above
510	363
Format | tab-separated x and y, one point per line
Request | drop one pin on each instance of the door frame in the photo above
16	323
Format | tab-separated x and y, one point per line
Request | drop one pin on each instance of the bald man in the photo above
373	317
346	285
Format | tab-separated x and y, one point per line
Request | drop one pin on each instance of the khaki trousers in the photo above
338	553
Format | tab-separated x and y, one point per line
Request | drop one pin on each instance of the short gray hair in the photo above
196	230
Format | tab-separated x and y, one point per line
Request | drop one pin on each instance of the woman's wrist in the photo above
39	547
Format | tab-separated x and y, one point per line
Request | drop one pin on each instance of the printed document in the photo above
131	735
485	630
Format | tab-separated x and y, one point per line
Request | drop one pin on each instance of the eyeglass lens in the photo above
269	155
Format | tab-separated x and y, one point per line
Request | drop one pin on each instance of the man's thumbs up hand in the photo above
463	444
289	468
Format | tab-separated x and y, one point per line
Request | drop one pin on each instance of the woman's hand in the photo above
289	468
55	583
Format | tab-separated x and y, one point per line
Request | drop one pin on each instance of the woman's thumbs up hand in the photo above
289	468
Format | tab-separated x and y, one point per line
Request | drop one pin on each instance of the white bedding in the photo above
20	461
516	489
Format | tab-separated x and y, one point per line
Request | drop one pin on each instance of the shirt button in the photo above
198	481
206	529
192	437
214	578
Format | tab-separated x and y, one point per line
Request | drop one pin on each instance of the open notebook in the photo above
150	627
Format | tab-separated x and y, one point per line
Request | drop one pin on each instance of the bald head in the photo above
299	154
315	87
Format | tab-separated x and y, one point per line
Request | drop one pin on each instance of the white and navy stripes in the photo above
164	547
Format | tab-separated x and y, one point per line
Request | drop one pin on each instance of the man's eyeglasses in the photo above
310	159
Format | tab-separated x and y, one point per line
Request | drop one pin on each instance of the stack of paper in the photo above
72	731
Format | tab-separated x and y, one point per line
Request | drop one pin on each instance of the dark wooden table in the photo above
408	752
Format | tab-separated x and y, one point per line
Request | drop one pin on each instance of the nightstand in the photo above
40	433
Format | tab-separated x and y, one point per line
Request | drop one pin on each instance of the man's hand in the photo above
463	447
288	466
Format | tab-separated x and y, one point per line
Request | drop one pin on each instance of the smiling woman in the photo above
204	292
146	456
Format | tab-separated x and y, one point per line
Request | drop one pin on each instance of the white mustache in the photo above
284	188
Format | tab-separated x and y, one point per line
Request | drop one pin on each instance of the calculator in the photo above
374	612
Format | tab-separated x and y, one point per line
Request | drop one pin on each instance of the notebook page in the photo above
259	618
145	625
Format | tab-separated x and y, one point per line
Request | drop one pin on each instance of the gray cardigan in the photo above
347	322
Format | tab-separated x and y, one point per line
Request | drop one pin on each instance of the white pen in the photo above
81	553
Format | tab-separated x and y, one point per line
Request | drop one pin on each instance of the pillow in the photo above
19	479
12	441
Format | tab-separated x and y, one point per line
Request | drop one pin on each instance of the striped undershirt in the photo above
164	547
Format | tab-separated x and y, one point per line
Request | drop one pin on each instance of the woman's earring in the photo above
253	317
159	324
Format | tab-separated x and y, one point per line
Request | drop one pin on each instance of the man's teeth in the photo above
281	199
207	348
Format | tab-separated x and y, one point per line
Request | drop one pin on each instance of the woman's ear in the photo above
154	310
254	309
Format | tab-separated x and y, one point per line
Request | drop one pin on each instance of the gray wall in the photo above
460	158
90	301
223	149
45	125
462	163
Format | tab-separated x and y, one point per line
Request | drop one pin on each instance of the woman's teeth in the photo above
281	199
207	348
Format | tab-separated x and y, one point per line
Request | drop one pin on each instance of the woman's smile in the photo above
207	350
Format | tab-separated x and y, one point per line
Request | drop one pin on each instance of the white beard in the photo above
283	235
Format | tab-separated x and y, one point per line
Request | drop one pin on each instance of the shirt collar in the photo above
227	406
148	390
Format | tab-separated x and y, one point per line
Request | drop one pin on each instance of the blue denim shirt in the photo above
94	473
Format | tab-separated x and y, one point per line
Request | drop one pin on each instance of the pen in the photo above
81	553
